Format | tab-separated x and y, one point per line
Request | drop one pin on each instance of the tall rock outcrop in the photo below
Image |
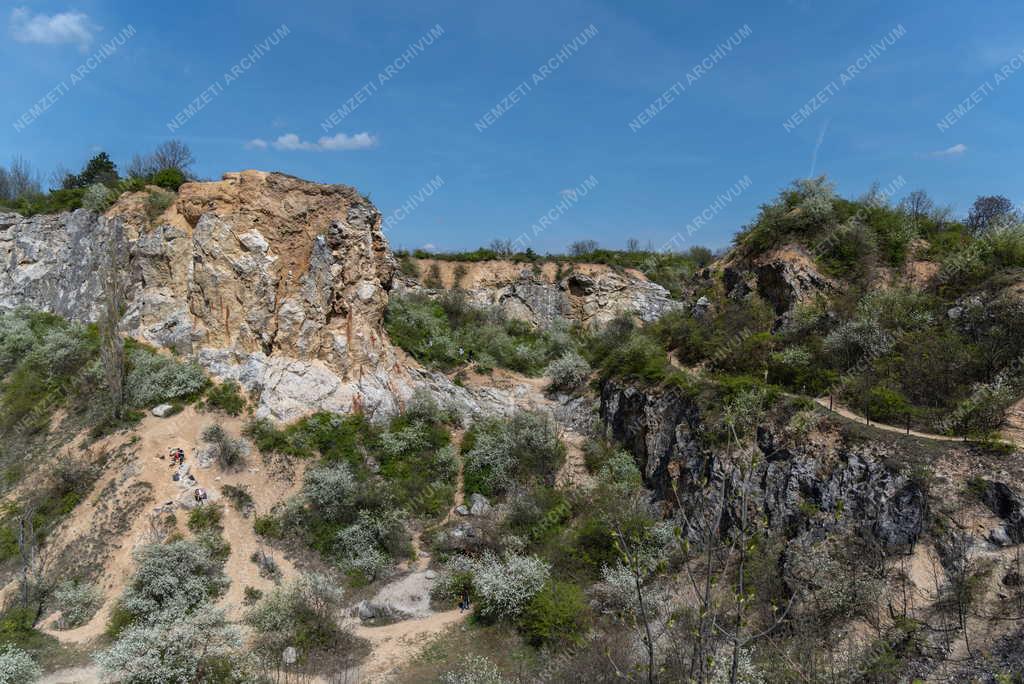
272	280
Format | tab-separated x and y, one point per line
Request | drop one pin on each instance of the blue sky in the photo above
573	124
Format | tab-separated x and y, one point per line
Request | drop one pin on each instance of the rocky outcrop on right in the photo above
798	491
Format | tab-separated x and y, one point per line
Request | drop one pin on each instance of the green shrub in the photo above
206	518
157	202
239	497
451	332
226	397
169	179
568	372
268	526
154	379
557	614
887	405
303	614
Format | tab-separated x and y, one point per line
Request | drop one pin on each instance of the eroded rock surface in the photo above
589	294
272	280
796	490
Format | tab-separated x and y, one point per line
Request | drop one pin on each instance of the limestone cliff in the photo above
269	279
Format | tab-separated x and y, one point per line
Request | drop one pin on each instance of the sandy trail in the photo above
396	644
847	413
1013	428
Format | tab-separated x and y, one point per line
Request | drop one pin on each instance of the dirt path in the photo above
574	471
396	644
847	413
1013	428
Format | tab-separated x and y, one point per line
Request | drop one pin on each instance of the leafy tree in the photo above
99	169
170	179
991	211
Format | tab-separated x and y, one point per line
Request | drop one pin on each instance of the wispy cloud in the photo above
56	29
291	142
954	151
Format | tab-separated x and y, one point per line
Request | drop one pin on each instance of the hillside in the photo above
625	462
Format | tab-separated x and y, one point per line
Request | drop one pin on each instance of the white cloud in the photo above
291	142
954	151
65	27
429	247
359	141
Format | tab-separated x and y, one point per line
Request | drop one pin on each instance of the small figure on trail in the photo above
464	603
200	495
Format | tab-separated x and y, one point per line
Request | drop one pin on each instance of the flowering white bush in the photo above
473	669
616	592
568	371
504	585
330	488
524	444
747	671
63	350
153	378
815	196
172	647
182	574
411	438
77	603
363	546
17	667
98	198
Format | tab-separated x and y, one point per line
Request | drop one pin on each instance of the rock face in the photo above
1009	506
782	277
268	279
855	491
590	294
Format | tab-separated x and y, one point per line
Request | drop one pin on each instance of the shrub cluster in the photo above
499	452
369	478
450	332
77	603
